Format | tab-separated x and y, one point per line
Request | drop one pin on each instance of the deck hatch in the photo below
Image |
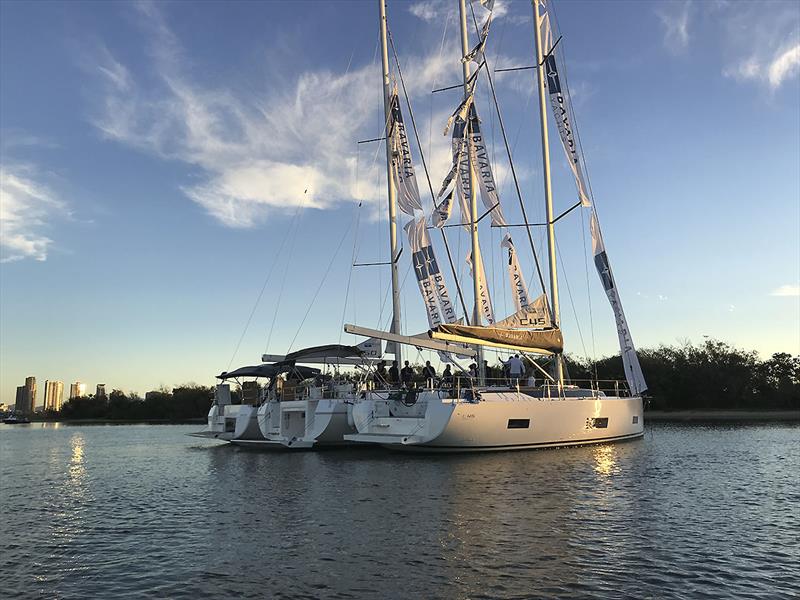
519	423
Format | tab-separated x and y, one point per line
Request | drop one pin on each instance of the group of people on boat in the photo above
511	371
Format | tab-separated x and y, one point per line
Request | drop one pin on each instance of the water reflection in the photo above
605	460
77	468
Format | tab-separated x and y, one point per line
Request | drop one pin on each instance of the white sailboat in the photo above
470	413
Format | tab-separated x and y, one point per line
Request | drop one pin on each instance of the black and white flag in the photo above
483	170
519	289
633	371
431	282
562	110
405	179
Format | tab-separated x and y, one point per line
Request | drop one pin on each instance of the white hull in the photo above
300	424
231	422
500	421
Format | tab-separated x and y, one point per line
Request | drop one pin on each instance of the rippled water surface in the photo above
144	511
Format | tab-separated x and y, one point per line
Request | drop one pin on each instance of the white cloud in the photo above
792	291
783	64
258	153
761	42
427	11
26	206
674	17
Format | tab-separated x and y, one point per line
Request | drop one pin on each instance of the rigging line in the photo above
319	287
425	167
260	294
439	60
589	295
511	163
571	300
295	226
350	273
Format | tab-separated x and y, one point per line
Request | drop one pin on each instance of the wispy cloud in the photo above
26	207
792	291
675	17
255	153
762	42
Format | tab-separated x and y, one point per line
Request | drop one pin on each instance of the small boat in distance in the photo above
16	420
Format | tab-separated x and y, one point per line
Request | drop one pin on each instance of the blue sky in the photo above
155	161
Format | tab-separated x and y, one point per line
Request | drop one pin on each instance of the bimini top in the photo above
318	353
545	341
270	370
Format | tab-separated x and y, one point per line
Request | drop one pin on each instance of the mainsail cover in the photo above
548	341
431	282
519	289
633	371
562	110
535	315
405	179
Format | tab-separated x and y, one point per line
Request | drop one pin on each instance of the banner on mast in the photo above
405	179
483	170
486	308
431	282
633	371
461	159
519	289
442	212
562	112
476	54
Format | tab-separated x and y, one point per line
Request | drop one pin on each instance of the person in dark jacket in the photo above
429	373
394	374
406	375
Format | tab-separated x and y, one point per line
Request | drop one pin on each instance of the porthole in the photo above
519	423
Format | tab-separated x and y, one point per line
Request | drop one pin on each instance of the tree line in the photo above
711	376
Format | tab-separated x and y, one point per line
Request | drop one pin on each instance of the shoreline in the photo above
195	421
722	416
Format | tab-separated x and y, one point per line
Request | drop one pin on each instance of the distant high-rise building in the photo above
53	395
23	404
100	392
77	390
30	384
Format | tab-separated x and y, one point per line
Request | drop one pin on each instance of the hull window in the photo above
600	422
519	423
635	419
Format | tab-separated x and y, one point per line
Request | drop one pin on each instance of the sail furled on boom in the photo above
633	371
431	282
549	341
408	199
562	110
535	315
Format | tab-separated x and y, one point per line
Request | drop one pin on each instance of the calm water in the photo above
144	511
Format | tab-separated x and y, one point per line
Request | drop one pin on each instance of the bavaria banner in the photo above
405	179
432	284
519	289
483	289
633	371
483	169
559	102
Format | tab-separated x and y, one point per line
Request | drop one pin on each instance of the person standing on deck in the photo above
515	369
429	373
394	374
406	375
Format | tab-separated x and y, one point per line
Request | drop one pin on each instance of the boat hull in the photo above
503	421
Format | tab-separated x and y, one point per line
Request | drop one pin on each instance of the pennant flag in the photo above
442	212
633	371
476	54
519	289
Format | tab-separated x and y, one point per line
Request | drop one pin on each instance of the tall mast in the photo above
392	193
548	192
473	198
